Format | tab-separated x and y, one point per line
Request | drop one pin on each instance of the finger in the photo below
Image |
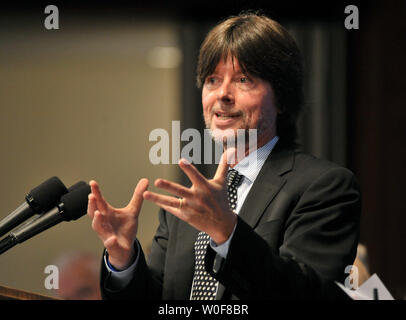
222	169
137	199
193	174
91	205
174	188
111	243
100	225
160	199
100	202
176	212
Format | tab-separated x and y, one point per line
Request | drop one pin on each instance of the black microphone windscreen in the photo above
75	202
45	196
76	186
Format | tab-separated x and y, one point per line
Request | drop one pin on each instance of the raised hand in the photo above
116	227
204	205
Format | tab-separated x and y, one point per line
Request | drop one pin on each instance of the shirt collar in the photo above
247	167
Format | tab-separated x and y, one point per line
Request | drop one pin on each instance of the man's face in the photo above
234	100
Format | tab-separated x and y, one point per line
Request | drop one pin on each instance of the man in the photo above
282	227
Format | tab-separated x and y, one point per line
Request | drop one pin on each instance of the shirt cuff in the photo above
222	249
122	278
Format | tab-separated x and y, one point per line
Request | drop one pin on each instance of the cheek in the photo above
252	113
207	102
258	110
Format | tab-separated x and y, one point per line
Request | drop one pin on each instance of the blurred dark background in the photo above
355	87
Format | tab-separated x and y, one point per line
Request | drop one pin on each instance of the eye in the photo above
212	82
244	80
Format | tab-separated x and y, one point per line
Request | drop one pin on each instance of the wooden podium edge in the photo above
7	293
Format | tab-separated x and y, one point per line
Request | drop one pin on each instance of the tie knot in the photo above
233	178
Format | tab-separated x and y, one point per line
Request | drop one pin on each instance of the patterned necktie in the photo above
205	286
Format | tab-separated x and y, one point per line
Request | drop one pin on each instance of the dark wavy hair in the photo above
264	49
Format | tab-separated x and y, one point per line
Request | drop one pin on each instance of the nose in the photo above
226	92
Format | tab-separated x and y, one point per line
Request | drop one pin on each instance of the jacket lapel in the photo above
267	184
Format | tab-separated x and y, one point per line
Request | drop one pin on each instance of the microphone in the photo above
77	185
40	199
35	216
72	206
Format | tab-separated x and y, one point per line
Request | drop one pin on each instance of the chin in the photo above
221	135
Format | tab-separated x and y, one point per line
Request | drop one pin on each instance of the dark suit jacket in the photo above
296	232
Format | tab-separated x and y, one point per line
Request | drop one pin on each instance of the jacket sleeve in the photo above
320	237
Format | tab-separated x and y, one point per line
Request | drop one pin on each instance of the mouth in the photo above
227	115
222	119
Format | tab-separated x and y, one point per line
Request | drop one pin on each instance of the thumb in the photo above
136	200
225	161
